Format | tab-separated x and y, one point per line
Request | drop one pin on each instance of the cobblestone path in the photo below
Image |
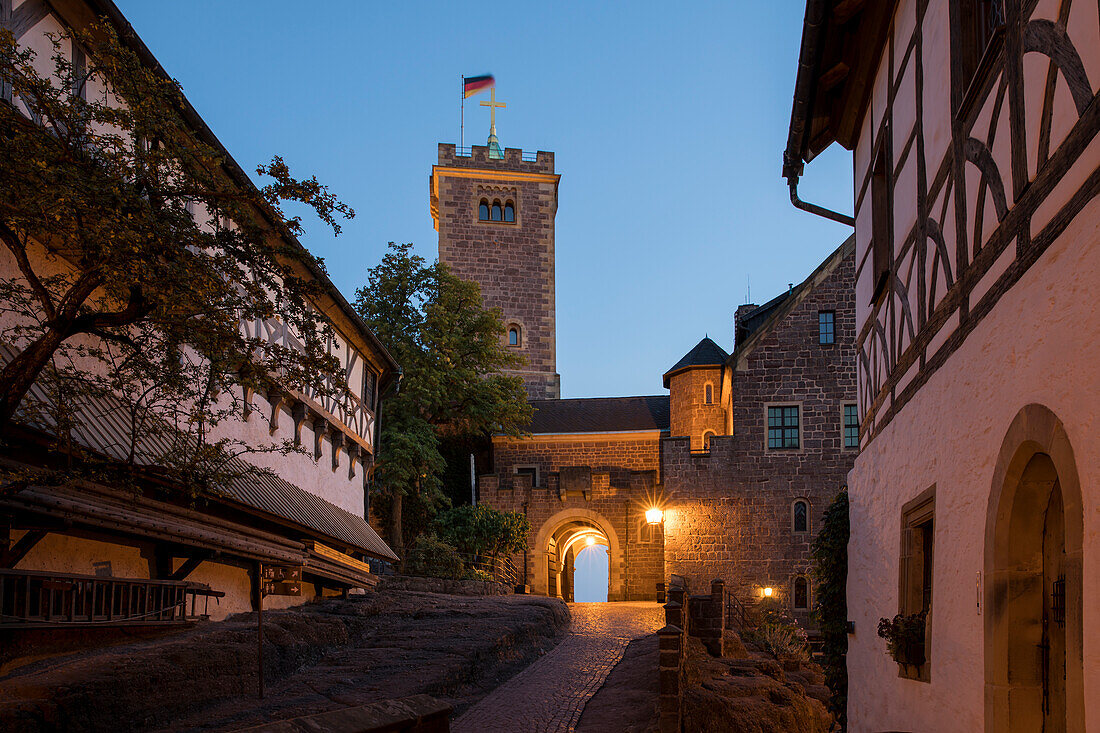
550	695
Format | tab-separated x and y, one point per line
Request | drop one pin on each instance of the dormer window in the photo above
509	212
483	211
513	336
497	213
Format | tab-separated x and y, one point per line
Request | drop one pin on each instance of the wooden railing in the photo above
35	599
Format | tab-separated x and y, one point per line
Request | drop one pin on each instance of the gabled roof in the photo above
706	353
764	319
600	415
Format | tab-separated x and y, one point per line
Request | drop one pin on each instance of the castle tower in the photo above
695	398
494	211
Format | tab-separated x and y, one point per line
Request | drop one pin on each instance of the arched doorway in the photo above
1033	621
557	545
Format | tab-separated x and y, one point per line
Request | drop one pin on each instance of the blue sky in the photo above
668	124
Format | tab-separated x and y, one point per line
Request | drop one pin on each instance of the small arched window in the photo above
513	335
496	211
706	439
800	516
509	211
801	592
483	211
708	394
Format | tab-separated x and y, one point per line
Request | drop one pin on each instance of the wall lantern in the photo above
768	592
589	540
654	516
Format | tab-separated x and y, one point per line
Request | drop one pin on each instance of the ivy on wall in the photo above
830	552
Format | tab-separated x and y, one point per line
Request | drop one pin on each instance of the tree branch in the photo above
19	251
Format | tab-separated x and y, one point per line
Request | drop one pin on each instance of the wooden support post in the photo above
19	550
299	413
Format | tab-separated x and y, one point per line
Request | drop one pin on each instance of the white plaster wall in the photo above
1040	344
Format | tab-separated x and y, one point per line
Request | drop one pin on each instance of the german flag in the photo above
471	85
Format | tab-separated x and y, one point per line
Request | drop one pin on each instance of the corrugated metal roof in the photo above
100	424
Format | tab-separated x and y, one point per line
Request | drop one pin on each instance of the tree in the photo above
140	247
452	351
830	552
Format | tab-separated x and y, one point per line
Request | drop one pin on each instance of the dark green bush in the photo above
830	551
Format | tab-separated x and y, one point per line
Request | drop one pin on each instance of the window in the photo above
706	439
79	72
369	382
708	394
783	427
800	516
826	327
496	214
979	22
532	471
509	212
916	566
881	235
801	593
851	426
513	335
483	211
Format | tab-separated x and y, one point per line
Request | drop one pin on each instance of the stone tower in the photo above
494	212
695	394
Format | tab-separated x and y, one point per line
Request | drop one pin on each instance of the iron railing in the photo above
527	156
35	599
459	566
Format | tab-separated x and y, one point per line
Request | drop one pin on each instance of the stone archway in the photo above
569	525
1033	540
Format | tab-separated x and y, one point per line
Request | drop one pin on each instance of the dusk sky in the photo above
668	127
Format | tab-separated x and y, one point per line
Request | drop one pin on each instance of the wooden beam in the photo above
833	76
846	10
19	550
189	566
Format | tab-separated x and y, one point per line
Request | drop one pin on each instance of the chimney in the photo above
739	316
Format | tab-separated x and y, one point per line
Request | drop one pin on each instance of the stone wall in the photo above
729	510
513	262
623	483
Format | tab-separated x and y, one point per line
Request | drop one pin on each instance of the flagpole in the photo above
462	116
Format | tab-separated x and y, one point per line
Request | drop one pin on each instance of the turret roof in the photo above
706	353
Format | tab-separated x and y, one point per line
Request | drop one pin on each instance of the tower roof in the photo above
706	353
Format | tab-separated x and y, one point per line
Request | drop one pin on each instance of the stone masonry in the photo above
729	512
513	262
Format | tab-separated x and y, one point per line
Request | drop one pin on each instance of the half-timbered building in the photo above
91	553
974	508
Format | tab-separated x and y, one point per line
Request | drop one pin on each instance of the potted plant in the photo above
904	637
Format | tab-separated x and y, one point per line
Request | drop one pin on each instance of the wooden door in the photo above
1053	647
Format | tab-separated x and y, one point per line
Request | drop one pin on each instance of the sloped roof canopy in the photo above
600	415
706	353
841	44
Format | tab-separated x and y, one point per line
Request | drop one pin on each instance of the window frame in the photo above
974	57
826	324
794	517
523	468
518	331
768	427
882	218
844	425
708	393
794	593
509	207
916	572
484	203
496	212
705	439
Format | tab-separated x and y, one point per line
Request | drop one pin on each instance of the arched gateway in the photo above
1034	672
559	540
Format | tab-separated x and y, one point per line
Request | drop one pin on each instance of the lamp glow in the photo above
589	540
654	516
768	592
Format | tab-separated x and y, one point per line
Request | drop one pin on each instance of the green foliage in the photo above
139	248
904	636
830	552
482	530
451	350
776	632
434	558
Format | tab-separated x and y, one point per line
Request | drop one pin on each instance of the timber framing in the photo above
982	214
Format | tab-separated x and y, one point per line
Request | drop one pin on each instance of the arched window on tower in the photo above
496	211
483	210
800	516
801	593
509	212
706	439
708	394
513	336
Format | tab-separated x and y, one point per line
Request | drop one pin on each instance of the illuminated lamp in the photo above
654	516
589	540
768	592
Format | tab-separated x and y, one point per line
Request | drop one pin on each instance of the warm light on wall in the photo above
768	592
589	540
654	516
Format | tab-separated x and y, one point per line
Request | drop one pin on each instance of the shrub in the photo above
481	530
904	637
433	558
781	640
830	552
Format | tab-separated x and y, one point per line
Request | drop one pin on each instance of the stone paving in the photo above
549	696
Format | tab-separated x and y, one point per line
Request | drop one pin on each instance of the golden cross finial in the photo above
492	104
